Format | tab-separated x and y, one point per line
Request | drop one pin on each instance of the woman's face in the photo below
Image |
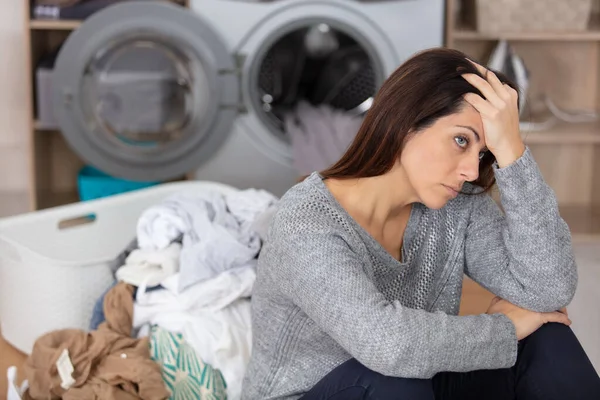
439	159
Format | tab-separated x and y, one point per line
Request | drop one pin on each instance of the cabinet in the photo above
565	67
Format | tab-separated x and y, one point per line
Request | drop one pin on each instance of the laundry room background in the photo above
258	104
103	100
41	170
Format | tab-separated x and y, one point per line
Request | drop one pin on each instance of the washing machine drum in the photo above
145	91
346	81
341	76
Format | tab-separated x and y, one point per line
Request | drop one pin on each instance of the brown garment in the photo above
108	363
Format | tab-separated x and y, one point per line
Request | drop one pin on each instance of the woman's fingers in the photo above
498	86
490	77
564	311
494	301
500	89
486	89
556	317
482	106
482	70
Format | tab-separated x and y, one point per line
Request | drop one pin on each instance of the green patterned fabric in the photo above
185	375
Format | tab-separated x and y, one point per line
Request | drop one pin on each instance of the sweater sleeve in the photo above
321	274
524	255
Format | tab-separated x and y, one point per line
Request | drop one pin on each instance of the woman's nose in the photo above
469	168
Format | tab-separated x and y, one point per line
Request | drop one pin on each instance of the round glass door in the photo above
137	95
141	93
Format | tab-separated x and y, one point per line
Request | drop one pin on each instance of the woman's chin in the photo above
435	202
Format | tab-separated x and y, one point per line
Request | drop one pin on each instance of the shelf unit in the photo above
63	25
53	165
566	67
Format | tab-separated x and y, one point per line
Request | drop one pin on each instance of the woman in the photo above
359	281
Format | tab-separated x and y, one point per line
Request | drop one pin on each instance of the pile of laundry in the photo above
176	322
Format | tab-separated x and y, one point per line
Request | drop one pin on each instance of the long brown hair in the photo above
423	89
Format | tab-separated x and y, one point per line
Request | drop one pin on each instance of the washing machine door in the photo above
145	90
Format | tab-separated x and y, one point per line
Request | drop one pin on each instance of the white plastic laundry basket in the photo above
54	264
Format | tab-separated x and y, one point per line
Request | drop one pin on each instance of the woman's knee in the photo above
551	335
552	362
353	381
552	342
381	387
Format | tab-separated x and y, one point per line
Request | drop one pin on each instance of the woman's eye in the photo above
461	141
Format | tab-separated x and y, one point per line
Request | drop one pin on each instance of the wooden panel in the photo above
48	199
567	72
568	169
596	178
478	51
467	31
14	100
66	25
64	165
14	118
57	167
13	203
14	167
598	80
475	299
583	221
565	133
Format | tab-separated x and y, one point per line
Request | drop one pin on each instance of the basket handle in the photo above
73	222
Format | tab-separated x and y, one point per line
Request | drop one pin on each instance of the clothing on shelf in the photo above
105	364
215	230
213	316
150	267
77	10
60	3
319	135
185	375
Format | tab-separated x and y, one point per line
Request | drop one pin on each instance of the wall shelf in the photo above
54	25
564	67
464	32
564	133
40	126
465	29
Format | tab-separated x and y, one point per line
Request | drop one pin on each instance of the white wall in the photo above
14	115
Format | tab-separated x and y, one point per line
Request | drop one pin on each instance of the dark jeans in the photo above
551	364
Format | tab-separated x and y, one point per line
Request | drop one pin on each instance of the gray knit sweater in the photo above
327	291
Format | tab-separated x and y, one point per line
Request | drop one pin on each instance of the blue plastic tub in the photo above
94	184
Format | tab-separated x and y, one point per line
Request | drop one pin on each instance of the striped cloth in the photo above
185	375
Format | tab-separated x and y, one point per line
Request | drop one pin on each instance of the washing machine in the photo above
148	90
